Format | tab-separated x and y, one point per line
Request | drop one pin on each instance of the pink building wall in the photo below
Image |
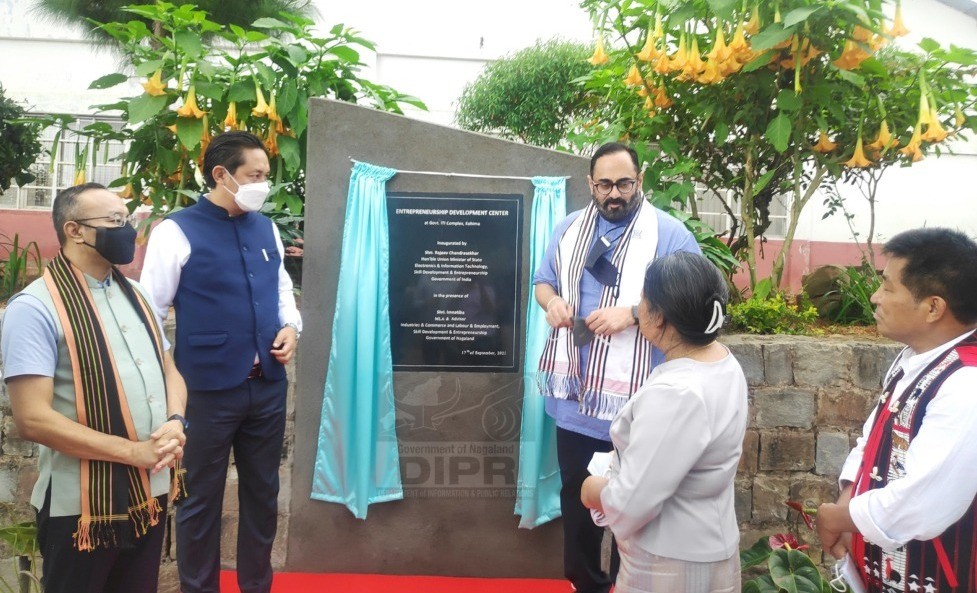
805	256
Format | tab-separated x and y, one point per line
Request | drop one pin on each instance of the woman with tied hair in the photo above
668	491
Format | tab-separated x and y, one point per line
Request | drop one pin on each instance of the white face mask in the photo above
250	197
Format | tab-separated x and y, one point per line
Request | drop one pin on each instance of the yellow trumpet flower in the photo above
634	77
600	55
925	113
694	64
720	51
739	48
680	57
649	105
858	158
230	122
884	139
710	73
662	100
642	90
958	117
934	130
824	145
911	149
271	143
261	109
190	108
273	109
649	52
851	57
753	26
898	28
79	177
155	85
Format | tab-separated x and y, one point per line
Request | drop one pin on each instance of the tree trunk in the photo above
797	205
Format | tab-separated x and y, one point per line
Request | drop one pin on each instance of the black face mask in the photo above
116	244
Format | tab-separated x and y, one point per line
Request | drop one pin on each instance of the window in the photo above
712	212
39	194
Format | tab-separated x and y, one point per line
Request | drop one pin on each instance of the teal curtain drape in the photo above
357	462
538	484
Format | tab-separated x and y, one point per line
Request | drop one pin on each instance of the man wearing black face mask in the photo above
219	263
589	283
91	381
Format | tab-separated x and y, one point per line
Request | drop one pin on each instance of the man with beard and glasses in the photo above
91	381
589	284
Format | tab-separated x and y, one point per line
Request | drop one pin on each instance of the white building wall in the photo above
432	48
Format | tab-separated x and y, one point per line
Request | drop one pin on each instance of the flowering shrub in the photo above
754	100
258	78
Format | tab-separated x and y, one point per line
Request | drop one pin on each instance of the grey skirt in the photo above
643	572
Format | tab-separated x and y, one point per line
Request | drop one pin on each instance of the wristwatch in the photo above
181	419
294	326
634	314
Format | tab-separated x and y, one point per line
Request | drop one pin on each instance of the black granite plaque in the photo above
454	281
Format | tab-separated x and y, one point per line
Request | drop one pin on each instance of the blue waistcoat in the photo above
227	301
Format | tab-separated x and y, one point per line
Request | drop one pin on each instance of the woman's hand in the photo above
590	492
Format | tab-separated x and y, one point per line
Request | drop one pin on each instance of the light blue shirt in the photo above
33	324
672	237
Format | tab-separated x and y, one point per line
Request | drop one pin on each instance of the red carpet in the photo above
370	583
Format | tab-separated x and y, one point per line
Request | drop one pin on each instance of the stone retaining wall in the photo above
808	400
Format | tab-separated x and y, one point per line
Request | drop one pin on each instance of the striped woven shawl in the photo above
117	505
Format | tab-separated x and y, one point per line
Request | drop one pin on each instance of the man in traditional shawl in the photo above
906	511
90	379
590	283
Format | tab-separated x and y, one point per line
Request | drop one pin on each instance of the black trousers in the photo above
581	538
250	419
102	570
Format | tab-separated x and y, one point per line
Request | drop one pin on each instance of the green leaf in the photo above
289	149
211	90
189	130
287	98
771	36
760	292
242	90
296	54
763	181
269	23
294	204
849	76
108	81
145	106
758	62
778	132
760	551
148	67
255	36
799	15
929	45
794	572
722	133
345	53
189	42
788	100
723	8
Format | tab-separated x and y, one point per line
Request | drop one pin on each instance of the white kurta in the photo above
678	443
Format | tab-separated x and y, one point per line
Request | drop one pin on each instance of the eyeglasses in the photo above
604	187
116	219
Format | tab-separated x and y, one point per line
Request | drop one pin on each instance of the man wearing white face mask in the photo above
219	263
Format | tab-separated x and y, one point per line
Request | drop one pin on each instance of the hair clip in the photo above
717	318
